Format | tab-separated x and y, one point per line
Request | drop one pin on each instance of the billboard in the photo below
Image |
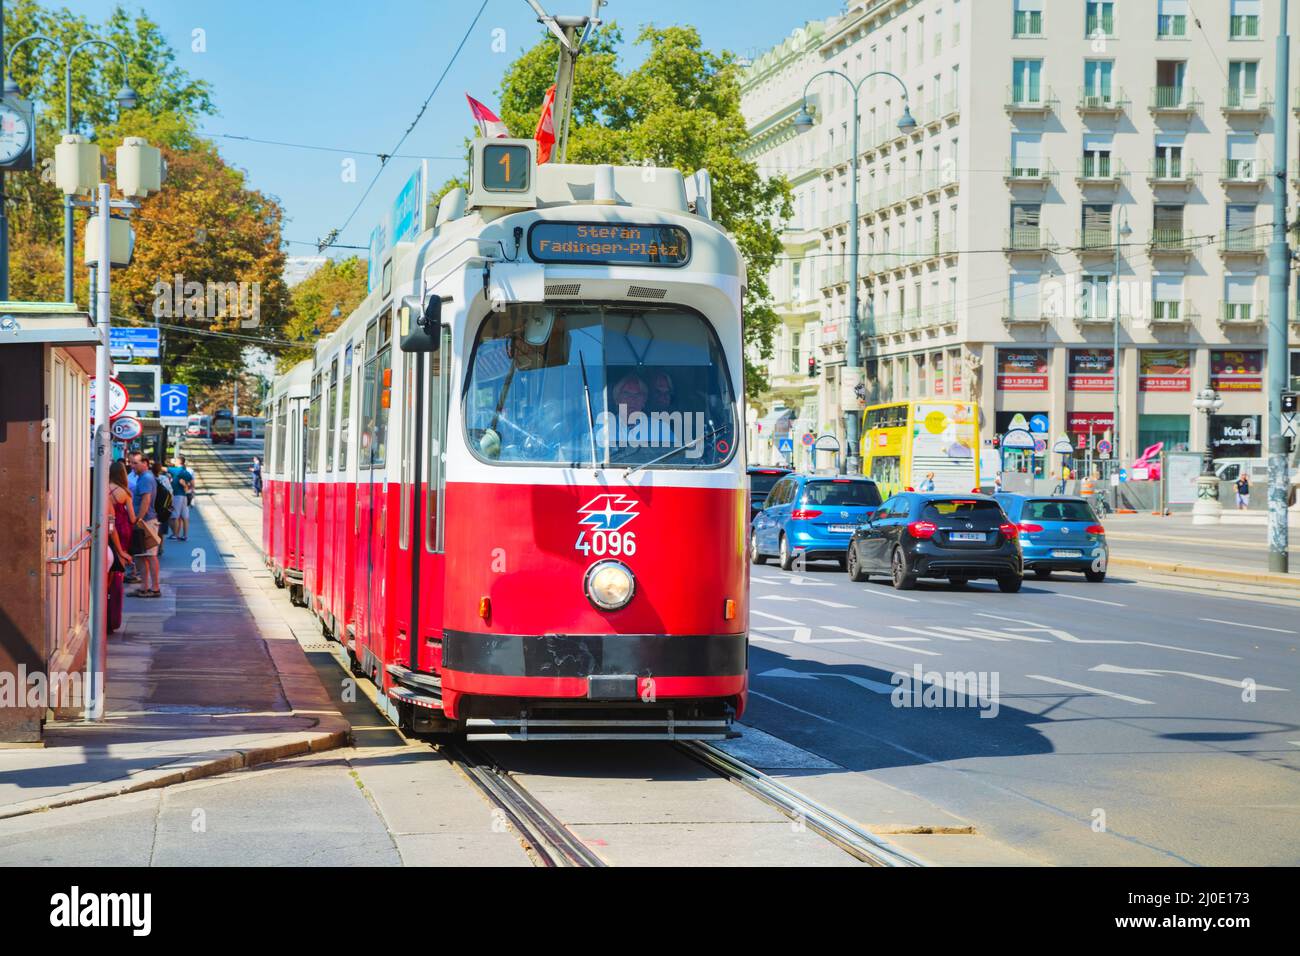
1022	370
1237	370
1236	436
1165	370
1092	370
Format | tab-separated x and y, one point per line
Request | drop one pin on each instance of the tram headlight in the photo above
610	585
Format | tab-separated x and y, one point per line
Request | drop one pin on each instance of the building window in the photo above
1170	77
1096	156
1238	298
1096	225
796	282
1167	226
1167	293
1026	155
1243	83
1024	301
1028	18
1240	228
1171	19
1243	20
938	31
1097	80
1168	158
1099	19
794	353
1027	82
1241	163
1094	297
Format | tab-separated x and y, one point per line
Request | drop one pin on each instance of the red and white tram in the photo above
283	479
524	508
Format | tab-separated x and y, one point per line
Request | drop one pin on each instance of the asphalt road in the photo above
1124	728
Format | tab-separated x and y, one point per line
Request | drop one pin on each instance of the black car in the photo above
958	537
761	481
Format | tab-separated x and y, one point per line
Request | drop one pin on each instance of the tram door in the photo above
372	493
295	478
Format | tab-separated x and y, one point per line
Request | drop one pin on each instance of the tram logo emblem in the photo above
608	512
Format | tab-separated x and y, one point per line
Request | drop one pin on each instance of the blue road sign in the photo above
174	401
785	445
129	342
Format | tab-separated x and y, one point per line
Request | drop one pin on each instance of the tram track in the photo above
551	842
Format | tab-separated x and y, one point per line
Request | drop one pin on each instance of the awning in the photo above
774	424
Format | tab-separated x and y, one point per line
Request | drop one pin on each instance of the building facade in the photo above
1080	170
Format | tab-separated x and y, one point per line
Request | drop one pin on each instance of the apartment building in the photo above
1049	137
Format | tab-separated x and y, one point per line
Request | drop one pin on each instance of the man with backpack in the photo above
165	500
182	493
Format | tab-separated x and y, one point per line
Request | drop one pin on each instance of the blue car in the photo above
811	517
1058	534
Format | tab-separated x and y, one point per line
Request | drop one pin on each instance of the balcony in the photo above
836	273
945	314
1242	315
915	184
1173	173
1245	243
1094	242
1093	103
1238	103
1023	313
838	155
1025	103
1174	101
1103	172
1167	314
1040	174
1027	240
1170	242
952	105
1243	172
1094	315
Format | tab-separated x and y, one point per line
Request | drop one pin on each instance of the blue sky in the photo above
352	75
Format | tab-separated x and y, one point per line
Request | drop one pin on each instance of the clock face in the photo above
15	134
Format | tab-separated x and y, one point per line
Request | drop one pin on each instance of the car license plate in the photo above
1067	554
966	535
843	528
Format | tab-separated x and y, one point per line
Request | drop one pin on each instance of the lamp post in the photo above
803	121
126	99
1122	232
10	90
1207	509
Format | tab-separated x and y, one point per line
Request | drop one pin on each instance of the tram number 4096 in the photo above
601	543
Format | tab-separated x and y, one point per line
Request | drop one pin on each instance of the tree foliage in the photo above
336	286
679	108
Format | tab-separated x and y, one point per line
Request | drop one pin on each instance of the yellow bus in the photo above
904	441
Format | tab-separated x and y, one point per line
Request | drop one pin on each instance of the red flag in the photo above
489	124
545	134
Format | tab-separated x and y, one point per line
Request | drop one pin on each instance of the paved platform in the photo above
206	679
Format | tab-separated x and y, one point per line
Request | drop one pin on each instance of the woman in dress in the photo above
119	538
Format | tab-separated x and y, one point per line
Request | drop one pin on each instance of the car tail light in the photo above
804	513
909	488
1096	529
1029	528
922	529
1008	529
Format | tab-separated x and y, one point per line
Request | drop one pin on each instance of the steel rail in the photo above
844	833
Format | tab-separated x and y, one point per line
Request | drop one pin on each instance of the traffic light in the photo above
812	366
1288	403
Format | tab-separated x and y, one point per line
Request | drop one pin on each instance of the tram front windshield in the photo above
610	386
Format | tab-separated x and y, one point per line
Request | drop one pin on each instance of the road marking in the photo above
1254	627
1153	672
1090	690
1075	597
755	612
881	592
927	632
796	580
893	642
874	686
787	597
803	635
1071	639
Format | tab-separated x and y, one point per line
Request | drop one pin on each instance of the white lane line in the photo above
755	612
1253	627
1075	597
803	635
795	580
787	597
1090	690
927	632
895	642
1154	672
1069	638
881	592
989	634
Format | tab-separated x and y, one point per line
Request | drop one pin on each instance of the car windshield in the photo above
1057	511
760	483
984	514
858	494
656	379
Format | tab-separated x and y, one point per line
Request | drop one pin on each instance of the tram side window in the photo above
345	414
330	410
281	422
656	380
313	427
437	403
383	393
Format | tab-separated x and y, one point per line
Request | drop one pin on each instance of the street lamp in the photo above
126	99
1207	509
1122	232
803	121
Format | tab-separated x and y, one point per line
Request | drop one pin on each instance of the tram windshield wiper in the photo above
680	448
591	418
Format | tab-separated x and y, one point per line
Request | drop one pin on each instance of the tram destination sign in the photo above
609	243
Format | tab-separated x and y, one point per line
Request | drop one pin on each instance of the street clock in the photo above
17	135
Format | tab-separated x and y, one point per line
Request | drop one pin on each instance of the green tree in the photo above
680	108
337	286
